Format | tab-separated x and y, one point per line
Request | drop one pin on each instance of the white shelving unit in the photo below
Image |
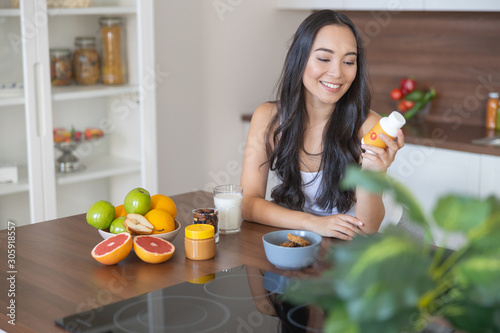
125	157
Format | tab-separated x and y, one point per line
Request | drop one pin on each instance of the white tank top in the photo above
310	187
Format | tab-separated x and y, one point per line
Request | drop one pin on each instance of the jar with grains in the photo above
61	72
199	242
113	50
86	61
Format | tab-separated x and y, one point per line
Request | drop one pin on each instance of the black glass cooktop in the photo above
241	299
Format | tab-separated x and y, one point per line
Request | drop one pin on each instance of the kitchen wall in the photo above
457	53
216	61
220	59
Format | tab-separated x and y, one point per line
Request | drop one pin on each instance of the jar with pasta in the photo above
113	50
86	61
61	72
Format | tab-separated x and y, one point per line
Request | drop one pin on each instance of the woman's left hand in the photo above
382	158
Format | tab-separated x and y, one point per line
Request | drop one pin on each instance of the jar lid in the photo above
203	279
85	41
493	95
60	52
109	21
199	231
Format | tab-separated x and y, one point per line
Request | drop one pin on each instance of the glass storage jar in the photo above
86	61
113	50
61	72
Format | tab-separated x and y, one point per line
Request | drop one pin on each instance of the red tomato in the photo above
408	104
405	105
402	107
396	94
408	85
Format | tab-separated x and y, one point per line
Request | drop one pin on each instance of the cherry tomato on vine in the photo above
396	94
408	85
405	105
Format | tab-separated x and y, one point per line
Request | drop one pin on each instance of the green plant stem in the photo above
449	262
438	255
431	295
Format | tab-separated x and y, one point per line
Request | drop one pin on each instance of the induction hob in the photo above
241	299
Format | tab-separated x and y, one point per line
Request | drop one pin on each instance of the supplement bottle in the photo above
199	242
387	125
491	110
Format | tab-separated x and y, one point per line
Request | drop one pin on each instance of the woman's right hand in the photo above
342	226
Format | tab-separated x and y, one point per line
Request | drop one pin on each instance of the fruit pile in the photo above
61	134
140	214
410	99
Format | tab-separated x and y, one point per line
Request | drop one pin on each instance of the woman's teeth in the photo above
330	85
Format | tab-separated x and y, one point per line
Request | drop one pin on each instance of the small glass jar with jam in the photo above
86	61
199	242
61	71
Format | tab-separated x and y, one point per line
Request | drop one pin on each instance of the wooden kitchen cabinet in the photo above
125	157
390	5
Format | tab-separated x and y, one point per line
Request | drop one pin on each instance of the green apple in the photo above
137	201
117	226
101	214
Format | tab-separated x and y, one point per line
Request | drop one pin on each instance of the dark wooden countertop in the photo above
454	136
56	276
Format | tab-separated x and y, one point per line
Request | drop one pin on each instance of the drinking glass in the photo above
227	199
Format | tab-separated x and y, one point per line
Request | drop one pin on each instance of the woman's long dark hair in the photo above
341	144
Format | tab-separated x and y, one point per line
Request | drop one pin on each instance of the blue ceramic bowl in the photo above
291	257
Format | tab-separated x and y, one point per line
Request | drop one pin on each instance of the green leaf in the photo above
338	321
380	276
406	198
467	316
480	276
376	182
460	213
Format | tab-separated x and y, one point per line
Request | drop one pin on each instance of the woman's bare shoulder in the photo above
265	111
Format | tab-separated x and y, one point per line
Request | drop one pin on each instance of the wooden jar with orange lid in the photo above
199	241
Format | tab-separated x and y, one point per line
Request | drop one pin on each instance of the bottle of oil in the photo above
387	125
492	110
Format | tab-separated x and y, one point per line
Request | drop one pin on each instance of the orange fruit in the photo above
161	221
113	249
160	201
120	211
153	250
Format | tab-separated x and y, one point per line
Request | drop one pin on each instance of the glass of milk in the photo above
227	199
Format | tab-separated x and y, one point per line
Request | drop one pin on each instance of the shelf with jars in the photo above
120	160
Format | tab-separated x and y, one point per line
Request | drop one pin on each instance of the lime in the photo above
117	226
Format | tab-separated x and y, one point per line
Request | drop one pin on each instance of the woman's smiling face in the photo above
331	67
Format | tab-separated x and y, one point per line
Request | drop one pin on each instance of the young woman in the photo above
312	132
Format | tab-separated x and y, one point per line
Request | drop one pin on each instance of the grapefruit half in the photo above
153	250
113	249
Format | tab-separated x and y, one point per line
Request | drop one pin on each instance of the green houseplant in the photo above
392	282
